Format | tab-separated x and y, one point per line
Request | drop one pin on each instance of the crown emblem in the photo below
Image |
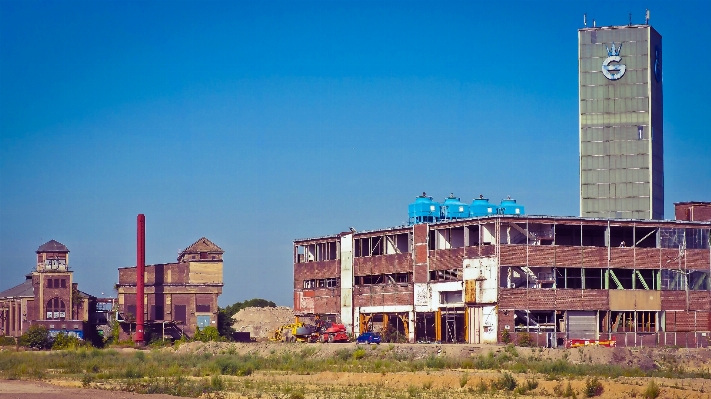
613	51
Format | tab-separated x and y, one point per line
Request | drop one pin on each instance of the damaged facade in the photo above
639	282
179	297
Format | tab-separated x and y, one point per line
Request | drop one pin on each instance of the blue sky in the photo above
256	123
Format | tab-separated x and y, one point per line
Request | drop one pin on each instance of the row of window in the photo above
56	283
377	279
323	283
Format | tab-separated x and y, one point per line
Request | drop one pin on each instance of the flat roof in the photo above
522	218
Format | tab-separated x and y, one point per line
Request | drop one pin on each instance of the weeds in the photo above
593	387
504	383
652	391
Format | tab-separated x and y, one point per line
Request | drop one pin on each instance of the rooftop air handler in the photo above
453	208
482	207
423	210
510	207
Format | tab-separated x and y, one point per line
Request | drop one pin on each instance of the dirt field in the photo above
428	383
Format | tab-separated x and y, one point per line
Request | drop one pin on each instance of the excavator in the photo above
295	332
322	331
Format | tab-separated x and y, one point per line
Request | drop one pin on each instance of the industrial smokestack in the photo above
140	275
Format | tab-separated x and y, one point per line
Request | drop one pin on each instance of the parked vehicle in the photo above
368	338
332	332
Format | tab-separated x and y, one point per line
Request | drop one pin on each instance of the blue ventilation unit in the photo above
482	207
453	208
510	207
423	210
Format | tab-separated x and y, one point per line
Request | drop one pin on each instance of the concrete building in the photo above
48	296
621	122
179	297
639	282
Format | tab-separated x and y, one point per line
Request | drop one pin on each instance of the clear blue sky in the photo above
255	123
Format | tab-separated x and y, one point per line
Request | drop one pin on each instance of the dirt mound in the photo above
261	322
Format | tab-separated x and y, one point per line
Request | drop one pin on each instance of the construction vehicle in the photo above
294	332
333	332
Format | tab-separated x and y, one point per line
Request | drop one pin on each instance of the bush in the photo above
64	341
504	383
7	341
506	337
524	339
593	387
358	353
652	391
36	337
207	334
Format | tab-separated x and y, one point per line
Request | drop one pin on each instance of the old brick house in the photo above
179	297
48	297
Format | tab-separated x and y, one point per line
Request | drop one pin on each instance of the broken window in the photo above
473	232
697	238
633	321
446	275
568	277
446	297
539	320
448	238
202	308
671	237
593	236
397	244
526	277
673	280
567	234
594	279
646	237
369	246
699	281
621	236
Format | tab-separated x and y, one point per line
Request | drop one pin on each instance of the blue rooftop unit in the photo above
423	210
482	207
453	208
510	207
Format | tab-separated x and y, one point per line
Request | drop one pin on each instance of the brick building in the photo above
640	282
179	297
48	296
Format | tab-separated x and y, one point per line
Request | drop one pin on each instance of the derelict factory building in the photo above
469	273
639	282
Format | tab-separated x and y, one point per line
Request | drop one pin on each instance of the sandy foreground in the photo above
60	390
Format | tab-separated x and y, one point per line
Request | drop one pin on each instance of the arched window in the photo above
56	309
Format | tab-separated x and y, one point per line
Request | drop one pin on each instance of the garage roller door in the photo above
582	324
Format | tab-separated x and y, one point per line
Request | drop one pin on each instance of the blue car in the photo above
368	338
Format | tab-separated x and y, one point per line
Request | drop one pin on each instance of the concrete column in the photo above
347	282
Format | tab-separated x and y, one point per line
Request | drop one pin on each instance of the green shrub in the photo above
64	341
207	334
506	337
358	353
652	391
463	380
593	387
524	339
36	337
504	383
7	341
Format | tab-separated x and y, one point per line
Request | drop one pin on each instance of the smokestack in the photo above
140	276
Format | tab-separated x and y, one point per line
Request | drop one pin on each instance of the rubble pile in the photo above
261	322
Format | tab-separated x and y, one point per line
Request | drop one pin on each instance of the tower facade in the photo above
621	122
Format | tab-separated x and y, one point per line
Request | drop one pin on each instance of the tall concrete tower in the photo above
621	122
